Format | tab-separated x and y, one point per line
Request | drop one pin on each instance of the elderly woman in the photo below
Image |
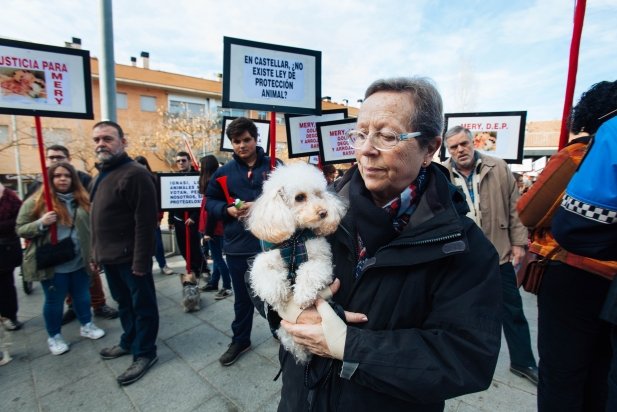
420	279
71	216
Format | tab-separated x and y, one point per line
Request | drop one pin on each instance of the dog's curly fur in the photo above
294	197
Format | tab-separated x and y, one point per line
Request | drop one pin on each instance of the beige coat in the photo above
28	228
497	196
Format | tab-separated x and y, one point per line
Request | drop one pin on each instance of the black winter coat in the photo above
432	296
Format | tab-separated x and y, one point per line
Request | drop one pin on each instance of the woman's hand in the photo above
49	218
327	336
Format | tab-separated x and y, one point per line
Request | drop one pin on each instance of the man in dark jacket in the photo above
230	202
123	222
408	258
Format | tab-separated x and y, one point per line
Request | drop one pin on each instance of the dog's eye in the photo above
300	197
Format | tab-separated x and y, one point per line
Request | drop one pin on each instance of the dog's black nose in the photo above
323	214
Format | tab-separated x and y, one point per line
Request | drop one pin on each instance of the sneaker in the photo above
91	331
233	353
57	345
209	288
69	316
138	369
167	270
222	294
12	325
106	312
114	352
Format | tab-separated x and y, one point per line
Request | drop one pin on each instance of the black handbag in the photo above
49	255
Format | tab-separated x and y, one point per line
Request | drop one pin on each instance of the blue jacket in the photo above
237	240
586	222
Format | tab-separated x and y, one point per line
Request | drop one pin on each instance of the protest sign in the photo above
333	144
179	191
41	80
302	133
499	134
261	76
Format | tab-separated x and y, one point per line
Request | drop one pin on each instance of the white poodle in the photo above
291	218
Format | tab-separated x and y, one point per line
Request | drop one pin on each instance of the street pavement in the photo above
188	376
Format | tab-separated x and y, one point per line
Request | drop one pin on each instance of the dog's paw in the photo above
268	278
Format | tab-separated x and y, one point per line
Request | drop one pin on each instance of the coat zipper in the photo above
418	243
428	241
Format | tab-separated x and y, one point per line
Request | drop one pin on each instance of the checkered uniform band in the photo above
588	211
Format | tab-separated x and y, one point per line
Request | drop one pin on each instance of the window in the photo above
122	101
53	136
187	106
263	116
147	103
4	134
232	112
222	112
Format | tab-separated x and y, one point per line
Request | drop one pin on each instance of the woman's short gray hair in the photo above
427	117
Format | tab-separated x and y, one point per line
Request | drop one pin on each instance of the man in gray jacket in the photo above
491	192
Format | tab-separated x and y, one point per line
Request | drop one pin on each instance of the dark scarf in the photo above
105	168
293	250
377	226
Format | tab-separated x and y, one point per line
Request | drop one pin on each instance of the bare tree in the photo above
172	133
24	138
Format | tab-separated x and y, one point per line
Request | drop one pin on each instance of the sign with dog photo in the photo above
179	191
498	134
334	147
41	80
302	139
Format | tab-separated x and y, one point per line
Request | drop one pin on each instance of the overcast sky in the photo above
496	55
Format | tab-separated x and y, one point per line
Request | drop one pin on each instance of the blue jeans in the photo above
137	308
219	266
243	305
159	252
76	283
515	326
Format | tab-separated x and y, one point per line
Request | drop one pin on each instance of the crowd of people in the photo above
425	258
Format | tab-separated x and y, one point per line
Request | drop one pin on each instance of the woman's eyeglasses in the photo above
382	140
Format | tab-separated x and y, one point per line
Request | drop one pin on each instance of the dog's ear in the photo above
337	207
270	217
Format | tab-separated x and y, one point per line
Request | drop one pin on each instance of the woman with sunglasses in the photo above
70	214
